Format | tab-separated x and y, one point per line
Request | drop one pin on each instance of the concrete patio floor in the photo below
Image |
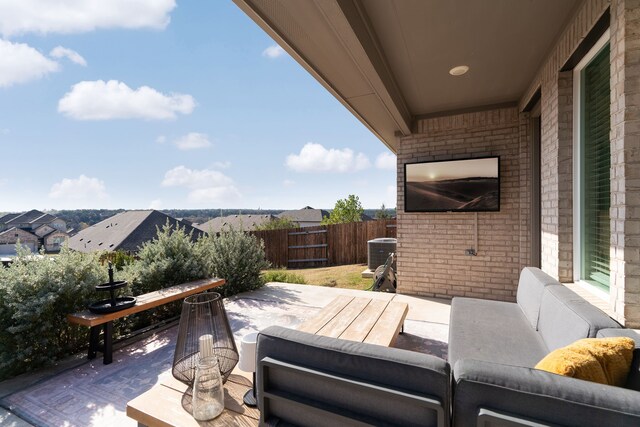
88	393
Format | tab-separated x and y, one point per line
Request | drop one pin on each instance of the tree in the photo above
383	213
345	210
277	224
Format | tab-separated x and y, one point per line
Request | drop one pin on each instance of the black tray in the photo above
104	306
109	286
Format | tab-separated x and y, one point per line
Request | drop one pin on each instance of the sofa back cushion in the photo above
382	385
530	288
566	317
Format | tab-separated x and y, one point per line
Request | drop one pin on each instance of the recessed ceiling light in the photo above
459	70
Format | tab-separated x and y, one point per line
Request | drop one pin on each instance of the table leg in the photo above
94	335
108	343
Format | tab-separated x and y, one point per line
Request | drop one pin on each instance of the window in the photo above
592	158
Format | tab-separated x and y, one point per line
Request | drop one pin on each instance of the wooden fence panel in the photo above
275	246
338	244
308	247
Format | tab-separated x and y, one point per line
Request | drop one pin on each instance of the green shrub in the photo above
235	256
169	259
283	276
36	294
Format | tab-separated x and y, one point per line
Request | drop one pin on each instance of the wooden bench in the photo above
374	321
144	302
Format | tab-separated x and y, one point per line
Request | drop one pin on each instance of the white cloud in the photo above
73	56
100	100
21	63
161	139
75	16
206	185
155	204
288	183
222	165
192	141
273	52
386	161
315	158
82	187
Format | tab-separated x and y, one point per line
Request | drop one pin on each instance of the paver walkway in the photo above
94	394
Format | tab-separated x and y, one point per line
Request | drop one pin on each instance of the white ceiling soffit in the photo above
388	61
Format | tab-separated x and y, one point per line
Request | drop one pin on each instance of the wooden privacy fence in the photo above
323	245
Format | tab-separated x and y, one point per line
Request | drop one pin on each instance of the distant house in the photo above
305	217
11	236
34	229
365	217
126	231
237	222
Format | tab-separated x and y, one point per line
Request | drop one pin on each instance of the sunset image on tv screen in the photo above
456	185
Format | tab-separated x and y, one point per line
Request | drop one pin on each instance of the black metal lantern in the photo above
204	331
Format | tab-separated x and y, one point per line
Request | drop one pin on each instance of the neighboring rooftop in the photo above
238	222
304	215
126	231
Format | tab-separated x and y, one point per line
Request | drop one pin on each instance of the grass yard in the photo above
341	276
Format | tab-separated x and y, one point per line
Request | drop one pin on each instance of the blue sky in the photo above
156	103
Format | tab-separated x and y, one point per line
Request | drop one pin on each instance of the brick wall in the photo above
625	161
556	102
557	141
431	246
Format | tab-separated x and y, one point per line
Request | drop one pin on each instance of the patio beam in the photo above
335	42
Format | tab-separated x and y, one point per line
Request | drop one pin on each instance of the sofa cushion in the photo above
494	331
410	373
566	317
536	395
530	287
633	380
600	360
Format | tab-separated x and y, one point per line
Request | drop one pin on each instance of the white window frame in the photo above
577	136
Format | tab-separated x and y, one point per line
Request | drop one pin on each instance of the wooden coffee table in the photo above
162	406
369	320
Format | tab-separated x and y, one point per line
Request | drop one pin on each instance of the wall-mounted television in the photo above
466	185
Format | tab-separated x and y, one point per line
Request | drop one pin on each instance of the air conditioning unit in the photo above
379	250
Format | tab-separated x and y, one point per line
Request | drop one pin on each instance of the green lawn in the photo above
342	276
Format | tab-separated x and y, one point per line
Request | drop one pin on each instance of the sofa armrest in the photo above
537	396
312	380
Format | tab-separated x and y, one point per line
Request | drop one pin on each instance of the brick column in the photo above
625	161
556	176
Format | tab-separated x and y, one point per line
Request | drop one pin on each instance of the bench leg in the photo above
108	343
94	336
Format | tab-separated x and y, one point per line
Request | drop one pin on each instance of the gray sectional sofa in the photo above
493	347
489	379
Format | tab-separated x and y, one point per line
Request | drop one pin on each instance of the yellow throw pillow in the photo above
601	360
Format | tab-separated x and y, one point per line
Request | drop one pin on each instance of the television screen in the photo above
470	185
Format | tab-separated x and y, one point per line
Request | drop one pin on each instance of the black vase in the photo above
204	327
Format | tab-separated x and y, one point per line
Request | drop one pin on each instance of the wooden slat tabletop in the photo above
374	321
332	309
360	328
340	323
162	406
385	331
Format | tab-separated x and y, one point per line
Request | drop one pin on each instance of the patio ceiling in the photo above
388	61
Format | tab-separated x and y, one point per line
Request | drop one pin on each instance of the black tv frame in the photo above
453	210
